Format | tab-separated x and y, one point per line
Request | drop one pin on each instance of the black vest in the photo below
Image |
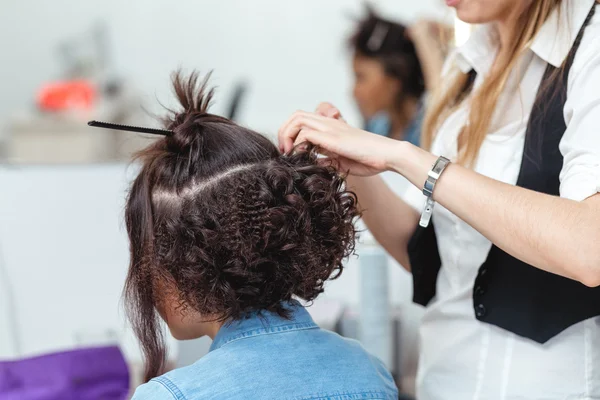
507	292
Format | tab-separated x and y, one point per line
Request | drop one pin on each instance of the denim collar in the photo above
263	324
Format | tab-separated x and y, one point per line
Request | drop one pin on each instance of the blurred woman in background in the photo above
393	67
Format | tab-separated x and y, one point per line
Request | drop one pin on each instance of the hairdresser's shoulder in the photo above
586	64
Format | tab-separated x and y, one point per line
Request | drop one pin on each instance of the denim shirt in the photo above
380	124
269	357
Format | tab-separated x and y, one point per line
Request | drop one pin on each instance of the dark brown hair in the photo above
230	222
388	42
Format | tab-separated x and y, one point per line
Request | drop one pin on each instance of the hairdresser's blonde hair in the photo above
483	102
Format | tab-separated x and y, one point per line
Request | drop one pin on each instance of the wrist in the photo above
402	157
396	155
410	161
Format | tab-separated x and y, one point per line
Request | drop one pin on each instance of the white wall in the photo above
65	257
293	53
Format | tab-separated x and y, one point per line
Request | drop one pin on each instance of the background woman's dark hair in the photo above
388	42
219	214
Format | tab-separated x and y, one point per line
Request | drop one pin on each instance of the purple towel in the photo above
98	373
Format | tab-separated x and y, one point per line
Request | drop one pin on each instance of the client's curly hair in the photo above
232	223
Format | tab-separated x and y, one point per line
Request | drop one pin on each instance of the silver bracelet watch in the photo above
432	177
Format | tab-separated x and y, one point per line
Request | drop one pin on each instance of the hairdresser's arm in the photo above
552	233
390	220
555	234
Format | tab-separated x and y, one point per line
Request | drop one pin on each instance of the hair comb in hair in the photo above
378	36
130	128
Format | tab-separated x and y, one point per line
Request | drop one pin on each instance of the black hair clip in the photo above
130	128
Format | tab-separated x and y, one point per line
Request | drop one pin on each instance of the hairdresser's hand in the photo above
429	35
354	150
432	40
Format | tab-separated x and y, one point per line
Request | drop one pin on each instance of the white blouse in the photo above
462	358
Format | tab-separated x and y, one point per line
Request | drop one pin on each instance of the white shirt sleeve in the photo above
580	144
